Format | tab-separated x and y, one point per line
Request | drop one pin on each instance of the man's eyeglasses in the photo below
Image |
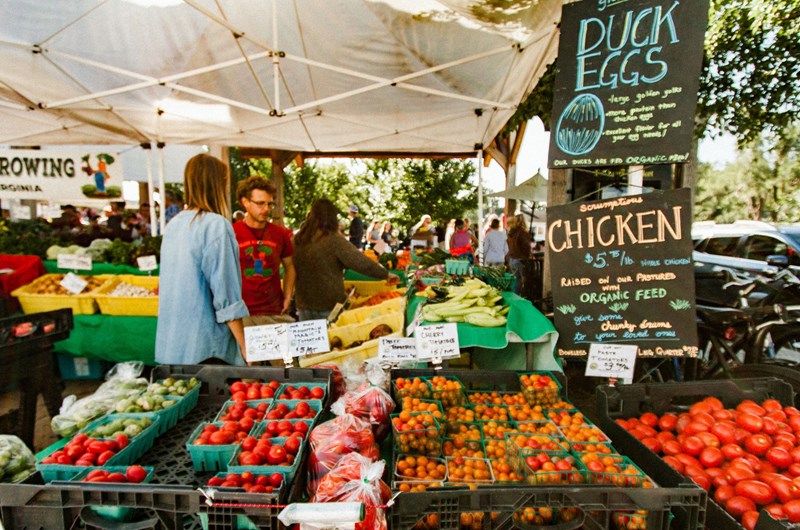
262	204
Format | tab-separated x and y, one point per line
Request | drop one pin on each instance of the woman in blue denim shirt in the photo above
200	306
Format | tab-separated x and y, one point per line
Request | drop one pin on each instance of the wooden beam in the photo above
518	141
258	152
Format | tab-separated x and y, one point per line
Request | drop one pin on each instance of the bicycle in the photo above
750	337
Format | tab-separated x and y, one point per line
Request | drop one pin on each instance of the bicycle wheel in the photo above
786	343
784	370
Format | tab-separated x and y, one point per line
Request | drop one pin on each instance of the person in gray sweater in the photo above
320	257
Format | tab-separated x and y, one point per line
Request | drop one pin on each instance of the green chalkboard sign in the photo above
623	274
627	81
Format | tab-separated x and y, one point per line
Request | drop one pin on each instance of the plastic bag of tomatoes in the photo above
331	440
356	478
374	405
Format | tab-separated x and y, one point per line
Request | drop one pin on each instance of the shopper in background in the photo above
200	306
495	245
321	257
263	248
356	231
423	231
462	242
519	248
386	235
374	233
174	206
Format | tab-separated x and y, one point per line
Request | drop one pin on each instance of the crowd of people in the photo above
219	277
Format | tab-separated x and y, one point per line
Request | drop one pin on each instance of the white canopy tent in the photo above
320	77
534	190
315	76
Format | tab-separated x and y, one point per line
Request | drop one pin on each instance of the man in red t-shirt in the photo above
263	248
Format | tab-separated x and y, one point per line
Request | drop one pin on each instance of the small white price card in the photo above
74	283
437	341
396	349
20	213
307	337
265	343
611	360
71	261
147	263
416	321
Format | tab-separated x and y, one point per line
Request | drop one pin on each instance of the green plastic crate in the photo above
113	513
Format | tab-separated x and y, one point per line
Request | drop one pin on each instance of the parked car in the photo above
750	246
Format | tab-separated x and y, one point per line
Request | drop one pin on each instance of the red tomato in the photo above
723	493
275	480
792	511
674	463
688	460
135	474
775	510
731	451
318	392
795	454
671	447
220	438
794	470
653	444
709	439
759	492
714	403
102	458
778	415
667	422
770	425
700	407
722	415
705	418
693	445
736	474
249	458
711	457
750	422
749	519
779	457
694	427
116	477
292	445
785	490
683	419
751	407
663	436
758	444
738	504
725	431
276	455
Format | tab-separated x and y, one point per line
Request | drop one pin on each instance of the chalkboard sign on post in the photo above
627	275
627	81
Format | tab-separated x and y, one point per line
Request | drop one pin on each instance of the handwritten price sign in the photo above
437	342
307	337
265	343
611	360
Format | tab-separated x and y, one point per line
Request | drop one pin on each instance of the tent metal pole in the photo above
276	63
162	214
479	253
148	147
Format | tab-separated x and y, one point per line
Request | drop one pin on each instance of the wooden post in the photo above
556	194
280	159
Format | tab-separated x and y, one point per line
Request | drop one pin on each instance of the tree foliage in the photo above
749	82
750	71
761	184
395	190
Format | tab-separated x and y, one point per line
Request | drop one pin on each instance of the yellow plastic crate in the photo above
368	313
352	333
33	302
128	305
367	289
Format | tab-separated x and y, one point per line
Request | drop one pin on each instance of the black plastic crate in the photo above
494	508
627	401
680	507
480	380
172	500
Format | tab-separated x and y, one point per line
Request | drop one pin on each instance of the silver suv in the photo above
751	246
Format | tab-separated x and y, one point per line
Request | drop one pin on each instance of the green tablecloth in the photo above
526	327
358	277
111	338
98	268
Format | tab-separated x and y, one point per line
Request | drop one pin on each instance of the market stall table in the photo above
526	342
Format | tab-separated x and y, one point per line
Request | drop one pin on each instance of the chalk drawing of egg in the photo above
580	125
